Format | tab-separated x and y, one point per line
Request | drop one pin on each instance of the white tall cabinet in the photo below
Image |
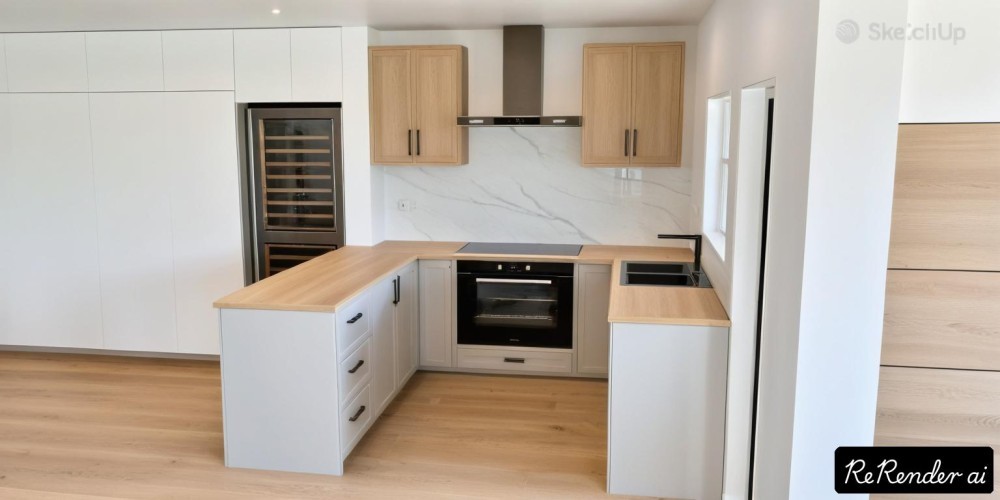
203	171
120	191
50	289
133	215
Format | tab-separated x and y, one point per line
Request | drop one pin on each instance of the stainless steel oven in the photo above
515	304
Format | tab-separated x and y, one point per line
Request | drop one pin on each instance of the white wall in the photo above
527	184
742	42
851	171
816	141
949	80
358	174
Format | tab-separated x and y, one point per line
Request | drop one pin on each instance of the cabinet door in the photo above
134	221
437	312
657	104
407	347
607	124
202	164
124	61
593	332
667	441
50	287
438	101
316	65
198	60
383	343
391	106
263	65
3	65
46	62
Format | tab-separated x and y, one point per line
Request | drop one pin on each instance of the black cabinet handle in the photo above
626	142
358	414
354	319
395	291
635	140
409	142
357	366
513	360
418	142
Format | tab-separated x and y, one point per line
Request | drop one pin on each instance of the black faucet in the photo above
697	246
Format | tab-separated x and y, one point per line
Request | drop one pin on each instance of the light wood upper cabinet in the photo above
633	104
417	95
607	120
391	125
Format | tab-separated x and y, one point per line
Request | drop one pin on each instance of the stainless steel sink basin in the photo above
663	274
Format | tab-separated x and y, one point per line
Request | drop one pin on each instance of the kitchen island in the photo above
313	355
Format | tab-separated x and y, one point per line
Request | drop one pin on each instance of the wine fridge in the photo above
295	188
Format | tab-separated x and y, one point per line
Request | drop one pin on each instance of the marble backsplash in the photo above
526	184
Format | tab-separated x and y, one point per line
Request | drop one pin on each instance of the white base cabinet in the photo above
437	313
593	332
666	410
300	389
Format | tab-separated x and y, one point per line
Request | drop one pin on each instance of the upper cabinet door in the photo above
657	102
198	60
316	65
263	65
607	124
391	106
124	61
438	101
3	66
46	62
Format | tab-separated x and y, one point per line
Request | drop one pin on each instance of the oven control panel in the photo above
491	267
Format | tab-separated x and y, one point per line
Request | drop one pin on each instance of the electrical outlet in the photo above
405	205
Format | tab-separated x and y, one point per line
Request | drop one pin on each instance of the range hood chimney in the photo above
523	58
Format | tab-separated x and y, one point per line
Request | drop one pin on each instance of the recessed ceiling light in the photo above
275	11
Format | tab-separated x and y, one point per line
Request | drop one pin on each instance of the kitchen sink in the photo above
663	274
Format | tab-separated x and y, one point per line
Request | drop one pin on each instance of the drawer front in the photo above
353	323
360	409
354	371
512	360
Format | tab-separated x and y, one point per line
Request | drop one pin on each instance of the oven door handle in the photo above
506	280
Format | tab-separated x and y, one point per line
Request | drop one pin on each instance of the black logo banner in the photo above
913	469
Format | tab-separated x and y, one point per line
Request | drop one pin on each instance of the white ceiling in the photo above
86	15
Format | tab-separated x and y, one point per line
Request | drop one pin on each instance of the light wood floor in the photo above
75	426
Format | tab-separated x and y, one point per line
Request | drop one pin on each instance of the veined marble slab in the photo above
527	185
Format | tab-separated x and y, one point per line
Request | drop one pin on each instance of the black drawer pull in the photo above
360	362
354	319
358	414
513	360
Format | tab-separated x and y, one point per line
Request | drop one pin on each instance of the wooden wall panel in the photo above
946	208
934	407
944	319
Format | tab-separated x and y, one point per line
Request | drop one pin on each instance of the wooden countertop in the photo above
331	280
671	305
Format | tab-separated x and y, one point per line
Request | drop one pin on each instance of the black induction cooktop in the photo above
522	249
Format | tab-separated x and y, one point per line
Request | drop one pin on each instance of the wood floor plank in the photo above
81	427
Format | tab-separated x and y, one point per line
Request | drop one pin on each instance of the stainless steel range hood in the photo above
523	57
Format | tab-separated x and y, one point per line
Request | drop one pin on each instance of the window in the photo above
717	161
